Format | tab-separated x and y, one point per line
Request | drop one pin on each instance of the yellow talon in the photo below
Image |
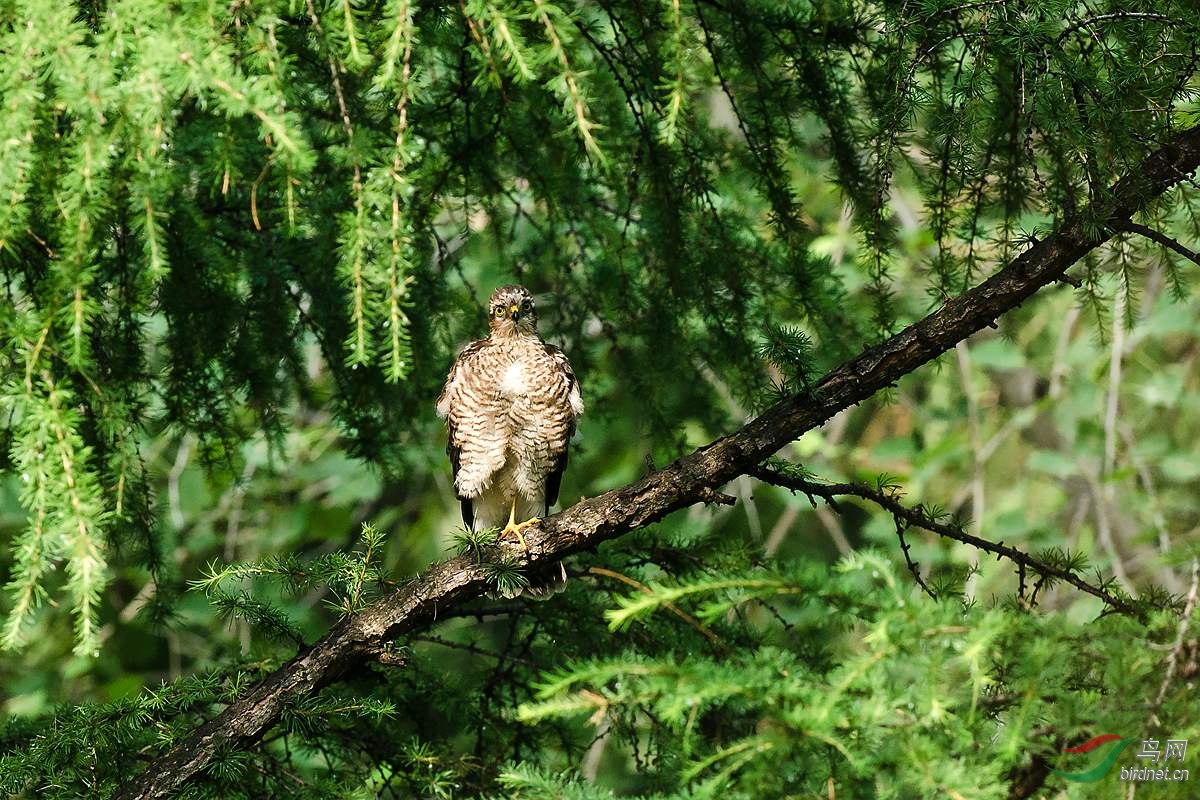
515	527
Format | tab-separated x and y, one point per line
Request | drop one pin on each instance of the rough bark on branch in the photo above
688	480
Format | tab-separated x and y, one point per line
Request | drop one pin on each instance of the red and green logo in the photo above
1100	770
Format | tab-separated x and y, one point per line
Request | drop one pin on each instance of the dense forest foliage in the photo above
242	242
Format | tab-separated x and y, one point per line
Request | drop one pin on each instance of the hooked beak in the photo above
514	312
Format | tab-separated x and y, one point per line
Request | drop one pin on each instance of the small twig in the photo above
1088	21
482	613
471	648
1155	502
1059	369
1161	238
41	242
674	609
1037	587
1103	508
174	503
913	566
975	441
1106	490
918	517
1173	659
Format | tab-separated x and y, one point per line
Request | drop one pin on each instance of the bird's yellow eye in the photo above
499	311
527	306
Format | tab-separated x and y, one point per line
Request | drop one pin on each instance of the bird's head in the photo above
511	311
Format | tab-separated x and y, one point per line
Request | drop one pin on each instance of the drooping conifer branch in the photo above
364	637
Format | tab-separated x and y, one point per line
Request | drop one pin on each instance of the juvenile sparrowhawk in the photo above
511	403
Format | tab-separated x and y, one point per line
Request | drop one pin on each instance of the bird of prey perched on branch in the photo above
511	403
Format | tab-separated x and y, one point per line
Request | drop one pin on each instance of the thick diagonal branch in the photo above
688	480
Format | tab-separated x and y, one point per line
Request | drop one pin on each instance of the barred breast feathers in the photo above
446	399
510	403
